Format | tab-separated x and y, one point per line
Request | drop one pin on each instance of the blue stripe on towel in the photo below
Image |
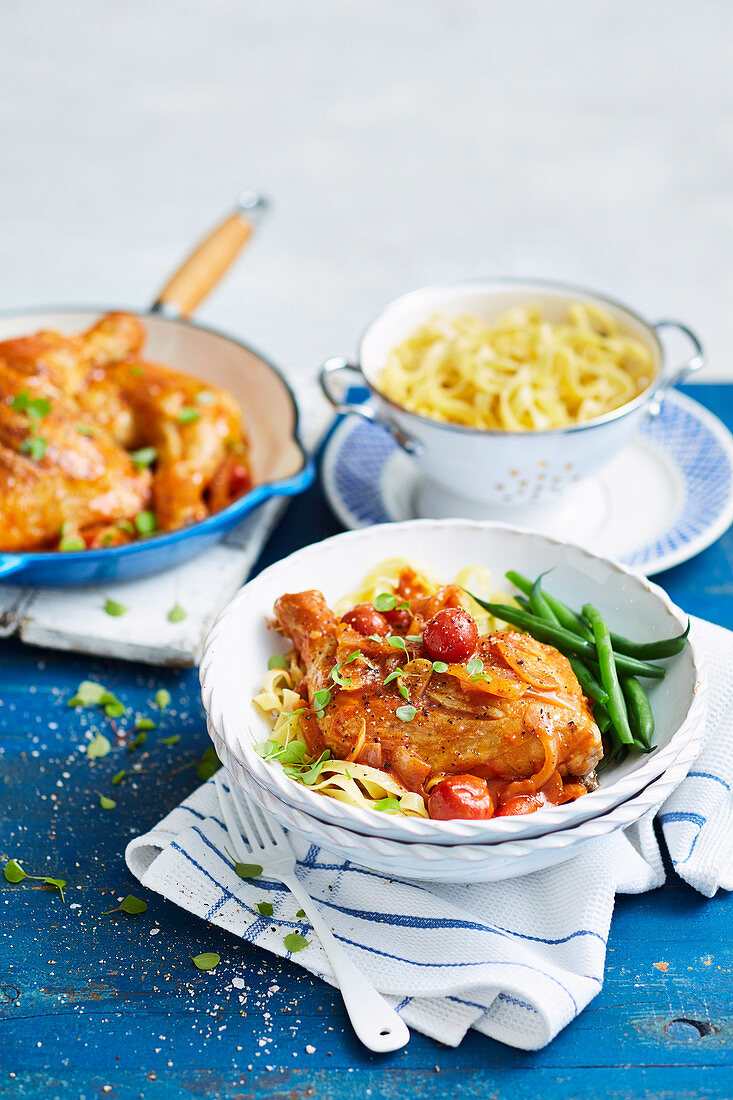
250	935
709	775
684	816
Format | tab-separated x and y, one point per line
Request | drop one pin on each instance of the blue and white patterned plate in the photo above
663	499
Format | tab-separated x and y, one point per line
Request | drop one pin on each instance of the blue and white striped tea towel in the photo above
515	960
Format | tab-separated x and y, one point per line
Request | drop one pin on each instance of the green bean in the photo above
602	717
587	681
639	708
565	640
662	647
566	617
539	604
609	675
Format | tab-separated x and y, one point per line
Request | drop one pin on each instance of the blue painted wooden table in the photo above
111	1006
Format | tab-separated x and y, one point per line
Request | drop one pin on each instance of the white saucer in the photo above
663	499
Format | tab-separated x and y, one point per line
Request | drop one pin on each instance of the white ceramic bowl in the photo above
462	863
503	469
239	644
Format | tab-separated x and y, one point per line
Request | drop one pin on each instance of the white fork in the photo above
264	842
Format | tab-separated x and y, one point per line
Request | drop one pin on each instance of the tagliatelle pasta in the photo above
519	372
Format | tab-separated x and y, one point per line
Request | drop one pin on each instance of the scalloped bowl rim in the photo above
495	830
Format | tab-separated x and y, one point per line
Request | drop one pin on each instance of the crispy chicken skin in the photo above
80	480
104	400
528	708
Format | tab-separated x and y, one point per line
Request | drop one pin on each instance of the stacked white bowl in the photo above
240	643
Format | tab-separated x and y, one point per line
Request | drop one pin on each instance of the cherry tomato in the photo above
451	635
521	804
366	620
399	618
460	796
239	480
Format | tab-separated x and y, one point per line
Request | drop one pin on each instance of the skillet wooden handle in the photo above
211	258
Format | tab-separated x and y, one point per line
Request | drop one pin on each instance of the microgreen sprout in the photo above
207	960
295	942
321	699
162	699
387	805
131	905
208	764
277	661
440	666
264	908
115	609
385	601
106	803
14	873
177	613
98	746
406	713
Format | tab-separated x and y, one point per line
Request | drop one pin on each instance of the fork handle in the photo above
377	1025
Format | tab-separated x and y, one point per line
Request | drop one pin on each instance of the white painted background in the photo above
401	141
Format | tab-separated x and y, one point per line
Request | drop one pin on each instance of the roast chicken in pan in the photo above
502	712
99	446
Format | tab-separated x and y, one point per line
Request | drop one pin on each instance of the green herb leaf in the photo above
187	415
34	446
403	691
404	606
36	407
321	699
474	665
406	713
144	457
106	803
208	764
82	429
137	741
440	666
88	694
392	676
385	601
145	523
266	749
293	753
172	740
205	397
295	942
247	870
300	914
126	526
98	746
115	709
58	883
265	909
388	805
162	698
207	960
177	614
70	543
396	641
130	905
115	609
310	776
375	638
14	872
277	661
118	777
413	637
145	724
338	678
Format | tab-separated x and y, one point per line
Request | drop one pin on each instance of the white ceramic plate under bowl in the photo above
666	496
240	642
462	863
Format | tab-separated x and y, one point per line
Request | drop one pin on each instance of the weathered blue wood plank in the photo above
89	1002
